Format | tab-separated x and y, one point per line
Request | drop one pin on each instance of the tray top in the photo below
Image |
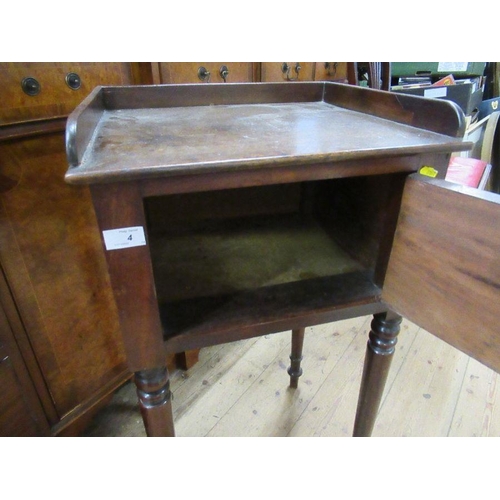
152	142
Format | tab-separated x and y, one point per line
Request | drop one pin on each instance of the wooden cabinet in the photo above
241	72
283	218
68	338
208	72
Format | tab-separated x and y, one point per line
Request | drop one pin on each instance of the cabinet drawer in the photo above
33	91
332	71
290	71
209	72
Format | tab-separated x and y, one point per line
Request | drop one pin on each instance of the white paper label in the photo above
436	92
125	237
452	67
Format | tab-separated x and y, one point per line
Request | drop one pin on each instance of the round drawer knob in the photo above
31	86
286	70
224	72
73	81
203	74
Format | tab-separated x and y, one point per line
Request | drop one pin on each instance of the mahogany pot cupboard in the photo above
227	212
61	349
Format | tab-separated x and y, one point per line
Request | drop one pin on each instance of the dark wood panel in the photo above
261	177
120	206
220	319
166	96
444	271
438	115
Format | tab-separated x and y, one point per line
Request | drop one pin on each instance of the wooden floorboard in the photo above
241	389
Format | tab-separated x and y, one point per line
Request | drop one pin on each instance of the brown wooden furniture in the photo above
55	291
274	207
208	72
245	72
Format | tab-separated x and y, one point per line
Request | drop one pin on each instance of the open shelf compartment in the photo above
251	257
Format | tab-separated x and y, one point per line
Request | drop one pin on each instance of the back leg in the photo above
295	371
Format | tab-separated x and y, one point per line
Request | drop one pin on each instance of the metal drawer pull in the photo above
285	69
203	74
73	81
224	72
331	68
31	86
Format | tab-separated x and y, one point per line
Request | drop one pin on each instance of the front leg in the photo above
379	352
153	390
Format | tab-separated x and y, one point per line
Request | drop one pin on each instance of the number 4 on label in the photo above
124	237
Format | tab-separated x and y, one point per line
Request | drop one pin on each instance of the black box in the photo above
467	95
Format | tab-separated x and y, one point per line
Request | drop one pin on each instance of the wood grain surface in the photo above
444	269
162	140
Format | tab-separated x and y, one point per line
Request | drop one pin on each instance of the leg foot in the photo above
186	359
379	352
295	371
153	390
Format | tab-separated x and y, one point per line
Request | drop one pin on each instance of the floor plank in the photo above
270	407
241	389
422	399
480	392
227	386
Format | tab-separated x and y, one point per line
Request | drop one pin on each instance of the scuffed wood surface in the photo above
174	130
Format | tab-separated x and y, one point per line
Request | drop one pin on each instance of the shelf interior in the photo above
226	256
248	256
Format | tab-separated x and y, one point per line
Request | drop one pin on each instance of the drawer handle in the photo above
286	69
31	86
224	72
73	81
203	74
331	68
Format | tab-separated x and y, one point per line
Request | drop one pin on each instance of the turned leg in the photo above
295	371
379	351
153	390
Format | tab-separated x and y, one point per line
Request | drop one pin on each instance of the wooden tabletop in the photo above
149	142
